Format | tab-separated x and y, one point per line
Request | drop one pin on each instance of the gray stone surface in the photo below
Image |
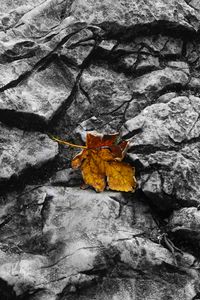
169	177
20	150
126	13
157	81
41	95
66	237
186	221
166	124
68	67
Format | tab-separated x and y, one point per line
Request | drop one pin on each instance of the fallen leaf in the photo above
101	163
120	176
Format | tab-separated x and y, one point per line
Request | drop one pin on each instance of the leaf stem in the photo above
67	143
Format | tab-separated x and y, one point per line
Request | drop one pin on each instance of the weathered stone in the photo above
157	81
26	48
25	5
75	114
168	177
20	150
171	46
78	47
67	177
19	48
194	83
107	88
143	288
66	238
68	67
18	58
108	93
160	44
171	178
165	124
42	94
135	106
129	62
192	51
148	63
61	230
95	124
108	45
55	39
11	71
195	4
126	13
114	94
186	222
181	65
134	62
166	97
45	17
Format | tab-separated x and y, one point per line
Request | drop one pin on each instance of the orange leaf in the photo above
93	171
98	140
78	159
120	176
102	160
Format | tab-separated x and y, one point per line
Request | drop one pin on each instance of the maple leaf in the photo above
101	163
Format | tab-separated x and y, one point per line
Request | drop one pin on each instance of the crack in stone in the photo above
79	43
188	3
55	280
71	254
7	219
85	93
44	61
168	28
69	101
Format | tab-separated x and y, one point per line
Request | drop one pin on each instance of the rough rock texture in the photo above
21	150
186	220
68	67
65	242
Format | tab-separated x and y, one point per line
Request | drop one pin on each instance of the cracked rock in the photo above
76	112
126	13
78	47
159	45
42	94
168	166
170	178
66	239
132	64
186	223
11	71
111	95
195	4
108	94
106	88
160	80
21	150
165	125
58	232
45	16
72	66
66	177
